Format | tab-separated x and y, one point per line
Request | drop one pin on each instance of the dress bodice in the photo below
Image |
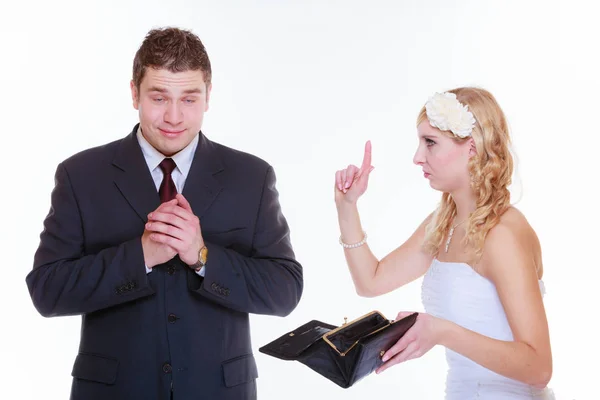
455	292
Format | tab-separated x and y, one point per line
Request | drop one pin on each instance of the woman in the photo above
480	258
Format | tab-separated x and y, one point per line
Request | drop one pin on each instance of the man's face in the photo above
171	107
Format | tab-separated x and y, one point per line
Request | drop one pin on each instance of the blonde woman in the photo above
481	260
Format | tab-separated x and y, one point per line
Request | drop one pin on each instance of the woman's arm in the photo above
373	277
520	359
511	267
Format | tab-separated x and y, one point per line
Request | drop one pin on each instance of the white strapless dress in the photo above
455	292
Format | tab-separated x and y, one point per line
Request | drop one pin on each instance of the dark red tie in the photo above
167	190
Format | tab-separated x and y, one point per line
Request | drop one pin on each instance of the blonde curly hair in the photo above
490	171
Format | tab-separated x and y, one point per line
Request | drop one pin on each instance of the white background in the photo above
303	84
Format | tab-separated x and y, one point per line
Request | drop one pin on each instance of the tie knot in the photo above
167	165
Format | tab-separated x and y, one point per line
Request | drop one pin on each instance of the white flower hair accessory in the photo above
446	113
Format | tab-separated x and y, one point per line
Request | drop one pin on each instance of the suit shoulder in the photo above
240	159
92	156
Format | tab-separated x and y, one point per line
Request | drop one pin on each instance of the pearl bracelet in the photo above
354	245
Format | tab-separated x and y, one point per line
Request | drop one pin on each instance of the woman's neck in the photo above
465	205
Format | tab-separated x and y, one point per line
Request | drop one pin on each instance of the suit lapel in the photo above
202	186
134	181
133	178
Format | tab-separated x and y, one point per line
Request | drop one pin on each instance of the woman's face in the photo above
443	159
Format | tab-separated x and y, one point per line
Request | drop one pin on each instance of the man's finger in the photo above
180	212
167	203
184	203
166	229
174	243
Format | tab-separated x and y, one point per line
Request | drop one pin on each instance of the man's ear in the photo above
208	89
135	96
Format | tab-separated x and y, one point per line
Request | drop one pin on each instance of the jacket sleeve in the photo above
65	280
267	282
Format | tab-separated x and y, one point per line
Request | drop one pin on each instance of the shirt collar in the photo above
153	157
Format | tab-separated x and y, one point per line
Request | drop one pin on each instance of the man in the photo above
164	242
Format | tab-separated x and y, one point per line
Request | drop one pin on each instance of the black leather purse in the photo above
344	354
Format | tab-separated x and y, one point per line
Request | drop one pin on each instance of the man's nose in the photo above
173	114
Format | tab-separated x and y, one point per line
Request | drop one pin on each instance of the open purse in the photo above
344	354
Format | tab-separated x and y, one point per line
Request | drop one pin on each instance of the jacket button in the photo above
166	368
171	270
172	318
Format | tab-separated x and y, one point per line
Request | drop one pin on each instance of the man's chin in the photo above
173	146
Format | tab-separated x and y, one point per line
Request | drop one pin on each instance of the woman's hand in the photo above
351	183
419	339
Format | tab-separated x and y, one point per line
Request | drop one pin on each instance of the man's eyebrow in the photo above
163	90
157	89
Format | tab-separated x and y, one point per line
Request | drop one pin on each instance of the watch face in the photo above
203	255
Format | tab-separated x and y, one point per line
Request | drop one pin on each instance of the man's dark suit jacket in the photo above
145	334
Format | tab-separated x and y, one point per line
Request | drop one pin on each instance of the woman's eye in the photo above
429	142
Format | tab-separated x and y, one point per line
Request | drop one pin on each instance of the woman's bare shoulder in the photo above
513	233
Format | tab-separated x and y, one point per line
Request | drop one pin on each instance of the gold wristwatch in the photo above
202	257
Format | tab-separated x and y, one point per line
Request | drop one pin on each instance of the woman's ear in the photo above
472	148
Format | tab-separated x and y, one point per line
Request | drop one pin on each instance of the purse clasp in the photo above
333	346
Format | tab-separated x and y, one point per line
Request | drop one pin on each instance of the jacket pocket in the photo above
239	370
93	367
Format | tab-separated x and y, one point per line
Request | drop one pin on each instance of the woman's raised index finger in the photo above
366	164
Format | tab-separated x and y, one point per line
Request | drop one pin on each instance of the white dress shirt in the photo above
183	160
